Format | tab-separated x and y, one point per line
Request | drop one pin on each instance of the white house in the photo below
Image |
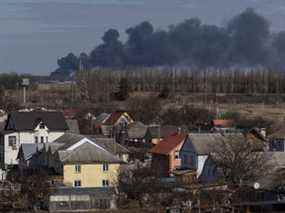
29	127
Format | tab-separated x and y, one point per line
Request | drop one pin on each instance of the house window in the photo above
36	139
42	126
176	155
105	166
105	183
77	183
77	168
12	142
42	139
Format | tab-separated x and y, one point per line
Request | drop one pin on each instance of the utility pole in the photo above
25	84
24	94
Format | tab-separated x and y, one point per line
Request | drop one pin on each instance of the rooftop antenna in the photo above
25	84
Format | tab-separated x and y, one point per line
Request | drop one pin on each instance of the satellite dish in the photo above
256	185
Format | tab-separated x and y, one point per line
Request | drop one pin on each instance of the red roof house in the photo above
165	155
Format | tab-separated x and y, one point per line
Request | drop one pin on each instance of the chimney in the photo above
179	130
263	132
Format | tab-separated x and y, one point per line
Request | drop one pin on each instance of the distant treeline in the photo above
12	81
100	85
246	41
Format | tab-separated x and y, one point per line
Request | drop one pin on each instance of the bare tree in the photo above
145	109
138	184
240	160
35	186
142	185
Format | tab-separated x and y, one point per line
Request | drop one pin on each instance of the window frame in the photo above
176	155
77	183
105	183
12	142
105	167
42	125
77	168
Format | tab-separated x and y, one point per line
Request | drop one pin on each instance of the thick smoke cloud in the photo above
245	41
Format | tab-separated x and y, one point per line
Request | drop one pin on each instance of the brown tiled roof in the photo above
168	144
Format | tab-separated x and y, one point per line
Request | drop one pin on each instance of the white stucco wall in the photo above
10	155
201	162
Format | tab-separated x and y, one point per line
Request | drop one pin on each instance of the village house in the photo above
186	154
116	123
136	134
98	121
199	147
190	154
165	155
112	146
89	165
29	127
88	168
49	155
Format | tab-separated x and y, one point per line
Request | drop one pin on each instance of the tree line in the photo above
246	41
105	85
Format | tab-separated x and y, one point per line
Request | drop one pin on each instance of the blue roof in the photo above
29	149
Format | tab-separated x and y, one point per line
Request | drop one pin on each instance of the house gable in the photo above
117	117
209	172
188	155
41	126
169	144
81	142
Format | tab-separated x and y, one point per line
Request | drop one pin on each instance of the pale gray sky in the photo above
34	33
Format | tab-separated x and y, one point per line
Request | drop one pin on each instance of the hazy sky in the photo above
34	33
